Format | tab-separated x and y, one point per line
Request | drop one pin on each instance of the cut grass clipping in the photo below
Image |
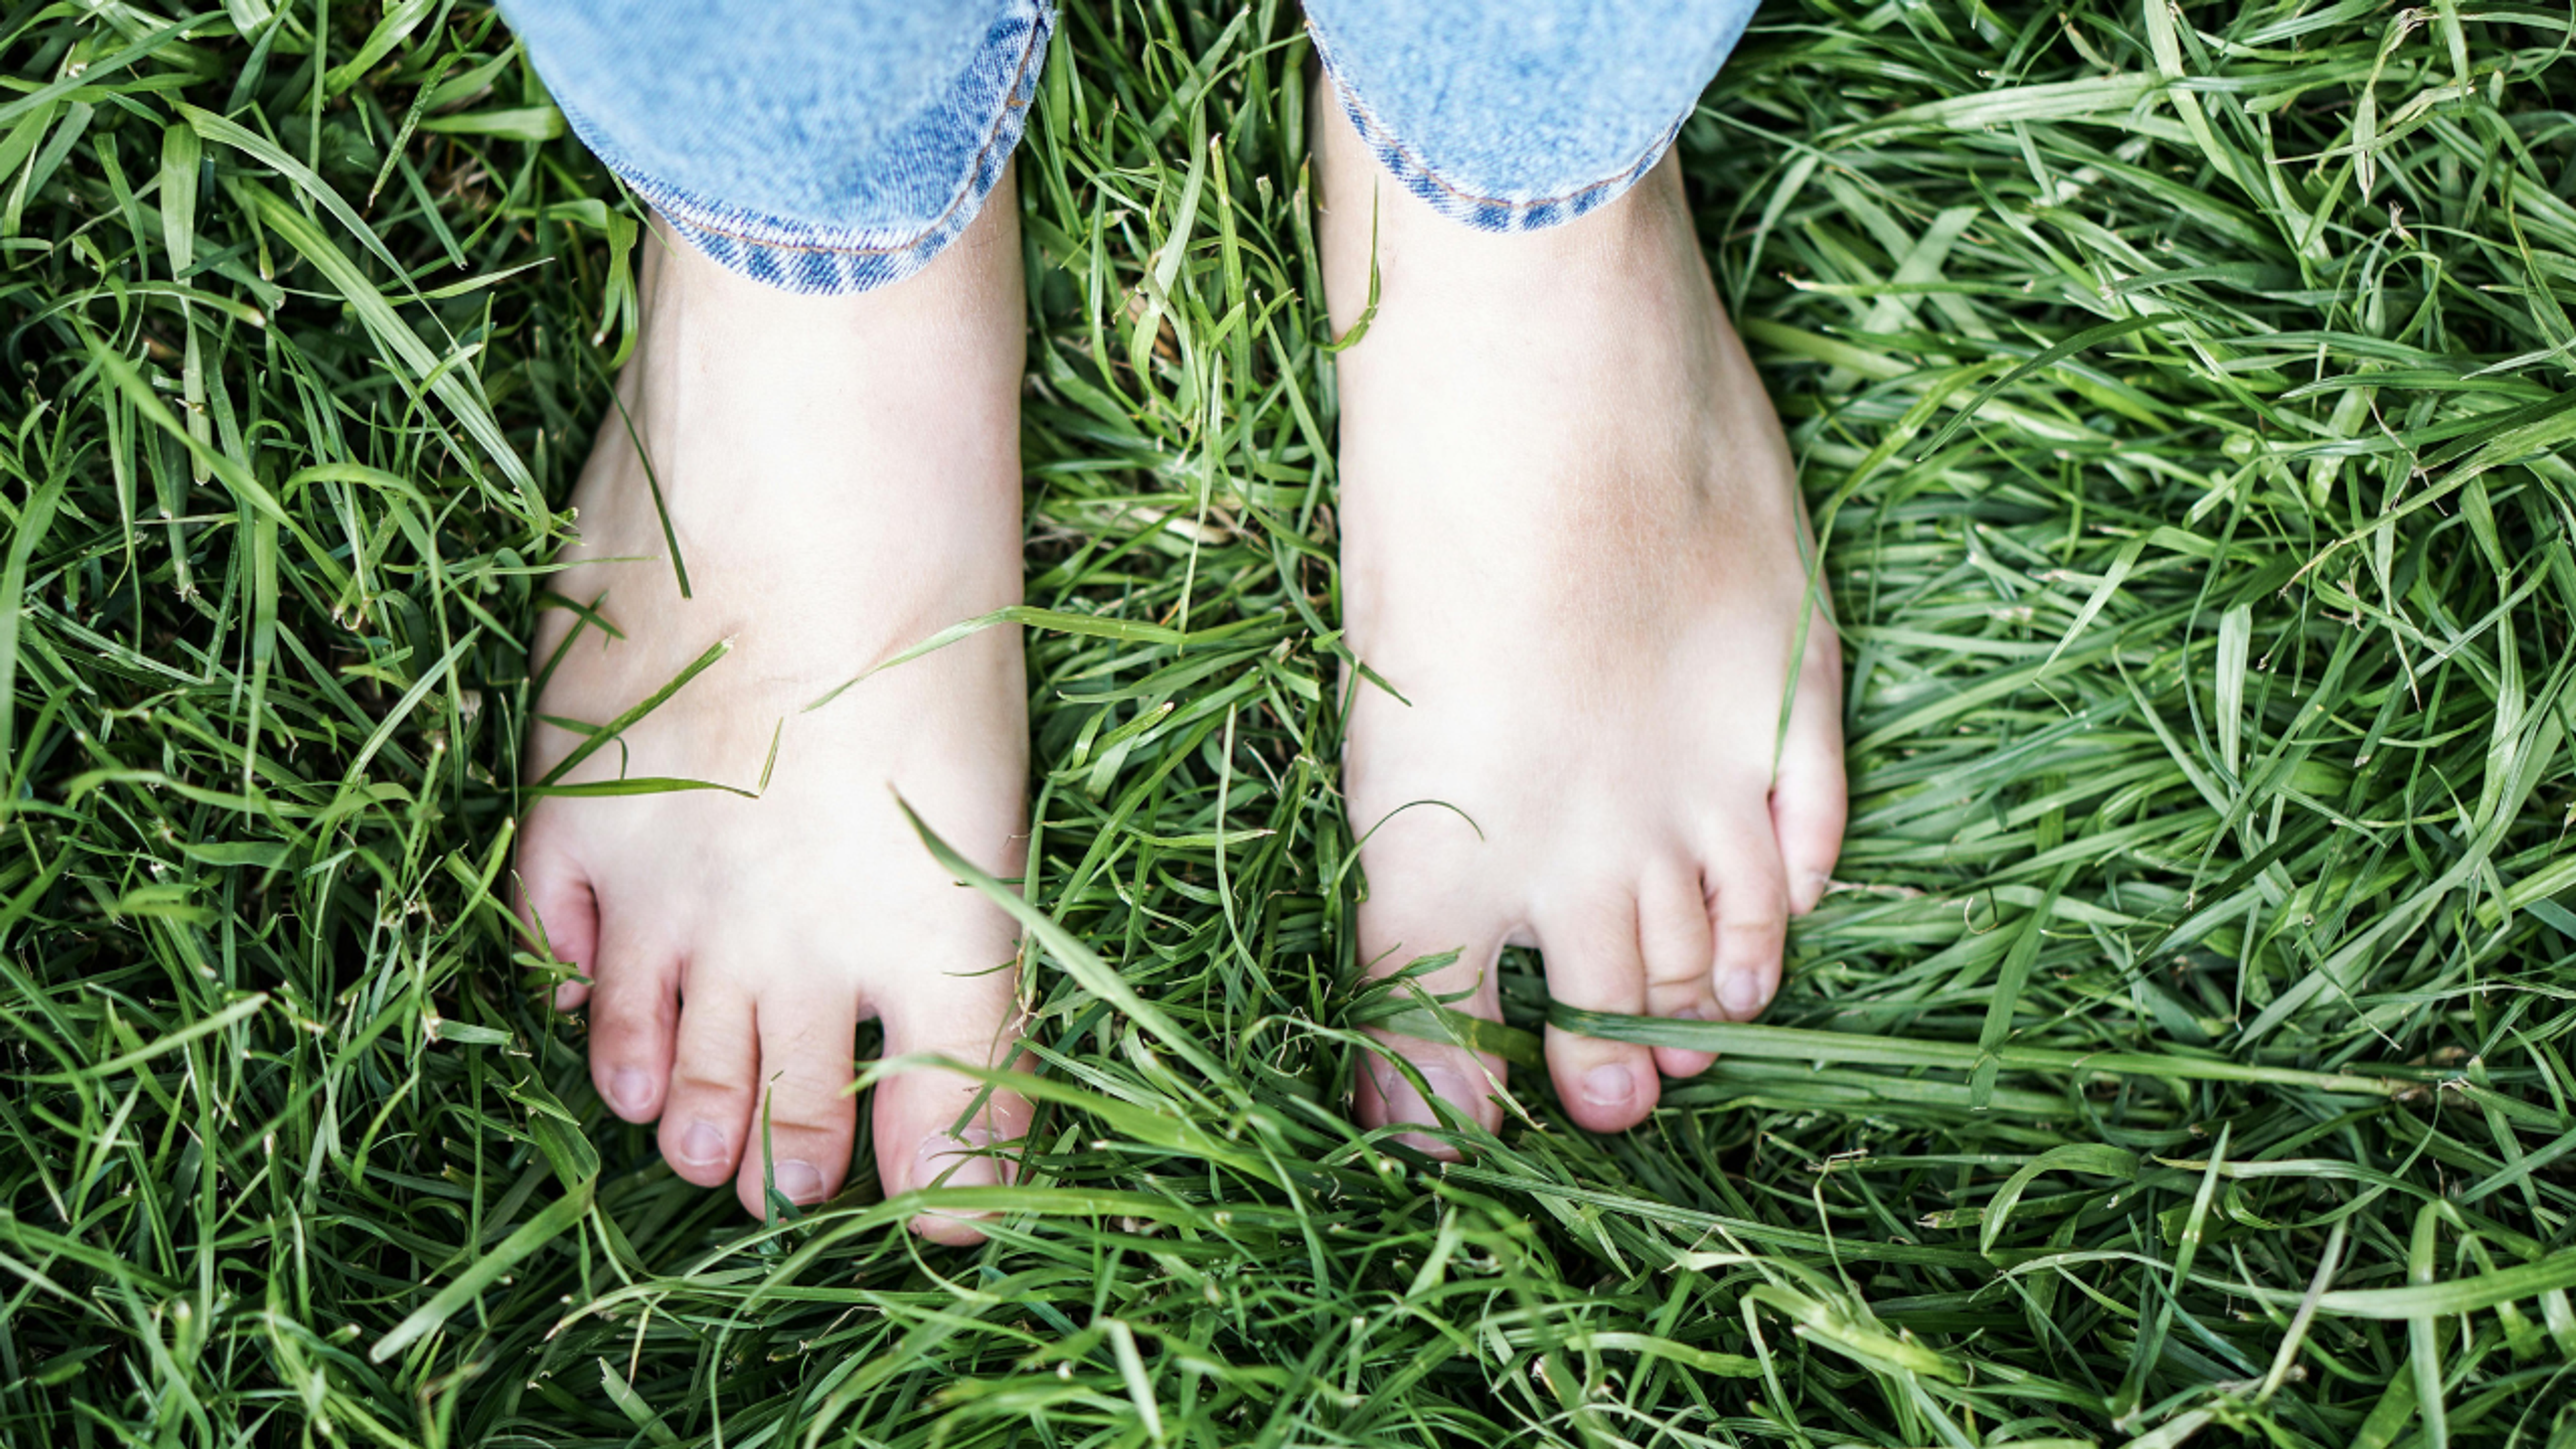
2183	395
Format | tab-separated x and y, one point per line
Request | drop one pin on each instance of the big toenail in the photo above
1449	1087
1742	994
798	1181
702	1145
1609	1086
630	1091
958	1161
1405	1105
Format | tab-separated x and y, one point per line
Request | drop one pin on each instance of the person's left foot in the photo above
1571	545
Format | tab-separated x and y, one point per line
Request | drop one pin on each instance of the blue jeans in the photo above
837	145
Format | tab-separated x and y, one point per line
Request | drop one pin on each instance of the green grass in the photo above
2185	403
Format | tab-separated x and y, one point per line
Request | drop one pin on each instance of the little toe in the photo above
803	1115
715	1062
1809	799
942	1129
1674	932
557	910
1594	963
1749	898
632	1015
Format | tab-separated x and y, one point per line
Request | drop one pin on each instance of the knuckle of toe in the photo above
709	1091
1766	931
803	1125
1676	976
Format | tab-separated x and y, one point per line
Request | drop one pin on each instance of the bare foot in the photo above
1572	542
842	474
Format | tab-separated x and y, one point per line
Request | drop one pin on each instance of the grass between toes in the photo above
2185	1052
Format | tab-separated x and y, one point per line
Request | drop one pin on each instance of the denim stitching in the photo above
1012	100
810	268
1458	203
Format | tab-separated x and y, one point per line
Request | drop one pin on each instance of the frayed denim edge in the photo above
1484	213
811	268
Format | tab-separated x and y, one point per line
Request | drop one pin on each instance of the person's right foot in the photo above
1571	542
843	477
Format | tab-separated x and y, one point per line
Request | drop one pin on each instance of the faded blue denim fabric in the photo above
816	145
1511	115
838	145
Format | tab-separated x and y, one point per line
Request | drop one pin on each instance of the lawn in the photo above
2183	1054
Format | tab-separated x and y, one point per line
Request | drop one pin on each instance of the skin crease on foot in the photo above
843	477
1572	542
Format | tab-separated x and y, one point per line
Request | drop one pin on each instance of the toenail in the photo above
958	1161
1449	1087
1742	994
1405	1105
798	1181
702	1145
1609	1086
1430	1146
1813	890
630	1090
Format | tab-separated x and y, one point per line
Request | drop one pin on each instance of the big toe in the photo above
939	1130
1461	1081
1401	923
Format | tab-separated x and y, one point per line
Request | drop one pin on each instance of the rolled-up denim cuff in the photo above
972	129
1484	212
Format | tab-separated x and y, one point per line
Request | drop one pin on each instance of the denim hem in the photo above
1484	213
811	260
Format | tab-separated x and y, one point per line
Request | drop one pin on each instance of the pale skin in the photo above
1570	540
1571	543
843	476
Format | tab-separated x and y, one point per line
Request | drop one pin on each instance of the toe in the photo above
1463	1081
714	1064
633	1012
557	908
1594	962
1749	898
1406	917
1674	933
803	1116
941	1129
1808	801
